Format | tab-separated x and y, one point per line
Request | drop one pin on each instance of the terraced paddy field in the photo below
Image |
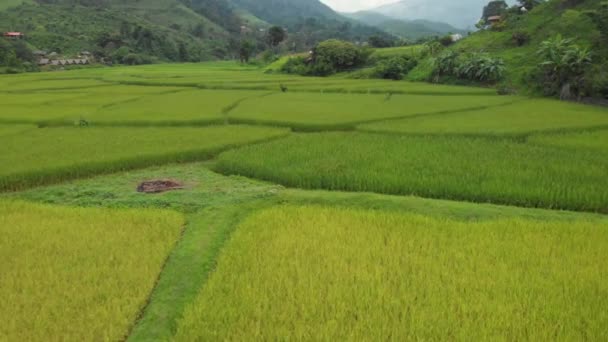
79	274
339	209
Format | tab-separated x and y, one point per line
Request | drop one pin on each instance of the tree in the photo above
379	42
246	50
276	35
339	54
494	8
396	67
563	67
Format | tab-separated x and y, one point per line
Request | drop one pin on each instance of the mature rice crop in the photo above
458	168
592	141
54	154
343	111
326	274
518	118
73	274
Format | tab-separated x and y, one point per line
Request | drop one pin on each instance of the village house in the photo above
493	20
456	37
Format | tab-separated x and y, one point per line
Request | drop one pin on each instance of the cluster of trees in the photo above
274	37
332	56
502	9
327	58
16	57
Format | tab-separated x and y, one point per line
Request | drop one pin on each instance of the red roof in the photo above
13	34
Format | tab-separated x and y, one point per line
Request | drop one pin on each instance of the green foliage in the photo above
246	50
395	68
446	63
476	67
379	42
276	35
17	56
481	68
521	38
563	67
340	55
494	8
327	58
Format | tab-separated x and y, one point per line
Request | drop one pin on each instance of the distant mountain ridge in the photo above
408	29
462	14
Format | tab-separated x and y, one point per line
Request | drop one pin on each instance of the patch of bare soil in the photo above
159	185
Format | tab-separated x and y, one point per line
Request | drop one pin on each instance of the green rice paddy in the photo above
458	168
54	154
522	117
340	209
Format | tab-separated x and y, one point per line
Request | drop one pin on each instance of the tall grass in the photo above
323	274
73	274
470	169
521	117
51	155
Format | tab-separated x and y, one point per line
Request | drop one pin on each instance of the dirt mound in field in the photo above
159	185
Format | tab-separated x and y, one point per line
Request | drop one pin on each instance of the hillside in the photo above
170	30
585	22
164	29
408	29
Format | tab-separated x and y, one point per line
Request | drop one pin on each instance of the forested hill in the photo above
171	30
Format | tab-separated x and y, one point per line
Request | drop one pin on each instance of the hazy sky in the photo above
355	5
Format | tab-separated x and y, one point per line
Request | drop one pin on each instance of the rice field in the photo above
338	209
185	107
596	141
521	117
51	155
342	111
74	274
457	168
317	273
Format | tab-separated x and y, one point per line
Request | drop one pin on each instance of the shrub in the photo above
446	40
294	65
481	68
395	68
328	57
563	67
339	55
446	63
132	59
520	38
476	67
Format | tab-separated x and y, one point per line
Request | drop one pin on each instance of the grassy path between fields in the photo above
215	204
